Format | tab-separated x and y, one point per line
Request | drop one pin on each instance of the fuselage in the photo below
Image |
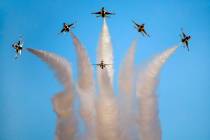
141	28
18	47
187	38
103	13
102	65
66	27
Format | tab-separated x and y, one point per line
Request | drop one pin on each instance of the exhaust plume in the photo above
126	82
63	101
126	76
106	116
149	122
107	111
58	64
86	88
63	106
105	50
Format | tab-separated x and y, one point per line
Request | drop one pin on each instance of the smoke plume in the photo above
126	86
105	50
106	116
107	111
106	107
86	88
63	101
146	90
126	74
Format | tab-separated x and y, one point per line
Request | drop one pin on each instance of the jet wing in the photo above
98	13
109	13
107	64
146	33
14	45
186	43
19	43
62	30
184	35
135	23
70	25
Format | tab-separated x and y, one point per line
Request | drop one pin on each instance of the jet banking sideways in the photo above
185	39
140	28
18	46
67	27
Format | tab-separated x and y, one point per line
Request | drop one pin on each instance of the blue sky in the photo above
27	85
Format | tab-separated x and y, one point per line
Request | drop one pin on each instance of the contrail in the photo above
86	89
107	111
105	50
126	86
146	90
63	101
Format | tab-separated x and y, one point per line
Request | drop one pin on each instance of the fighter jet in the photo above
140	28
66	27
103	13
185	39
102	65
18	46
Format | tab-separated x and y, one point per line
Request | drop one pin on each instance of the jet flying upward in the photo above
102	65
103	13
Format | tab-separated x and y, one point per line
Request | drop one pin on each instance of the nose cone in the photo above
64	24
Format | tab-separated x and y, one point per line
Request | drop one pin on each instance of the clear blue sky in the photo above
27	85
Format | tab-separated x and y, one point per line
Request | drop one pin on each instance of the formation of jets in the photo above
102	65
18	46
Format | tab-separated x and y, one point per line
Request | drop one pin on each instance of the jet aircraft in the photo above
18	46
103	13
102	65
185	39
67	27
140	28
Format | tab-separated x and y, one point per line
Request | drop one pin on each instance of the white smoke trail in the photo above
126	75
86	89
106	107
62	102
126	81
105	50
146	89
63	106
107	111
